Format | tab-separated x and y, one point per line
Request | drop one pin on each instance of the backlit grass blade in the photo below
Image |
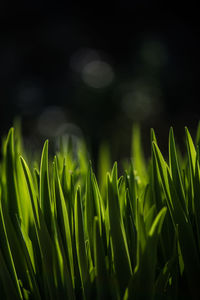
175	169
36	178
158	196
62	275
6	256
173	202
29	181
186	237
102	279
47	258
157	224
25	202
191	151
92	207
188	246
162	166
68	188
120	248
130	229
27	250
155	180
43	238
63	221
141	285
45	195
104	166
80	243
15	248
100	205
11	184
138	155
141	234
131	185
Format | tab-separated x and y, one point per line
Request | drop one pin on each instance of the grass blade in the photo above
120	248
45	195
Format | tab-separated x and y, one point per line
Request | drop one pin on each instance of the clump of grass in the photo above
66	235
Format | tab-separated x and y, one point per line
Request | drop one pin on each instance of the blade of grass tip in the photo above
122	261
80	243
122	195
175	169
45	195
153	136
63	221
11	184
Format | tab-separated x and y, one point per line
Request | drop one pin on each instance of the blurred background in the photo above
92	72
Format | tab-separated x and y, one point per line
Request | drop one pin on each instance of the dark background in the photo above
94	70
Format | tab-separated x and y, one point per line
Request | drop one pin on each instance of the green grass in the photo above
65	234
